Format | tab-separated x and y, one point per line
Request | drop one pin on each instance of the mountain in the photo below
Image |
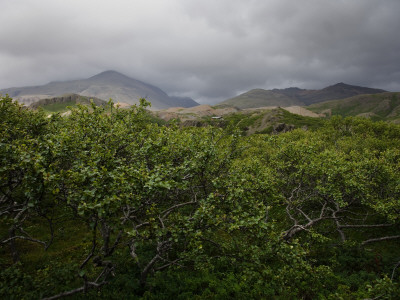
259	98
106	85
382	106
333	92
296	96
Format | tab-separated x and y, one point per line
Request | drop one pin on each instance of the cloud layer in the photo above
208	50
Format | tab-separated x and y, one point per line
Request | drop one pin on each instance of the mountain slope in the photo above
296	96
106	85
259	98
382	106
333	92
61	103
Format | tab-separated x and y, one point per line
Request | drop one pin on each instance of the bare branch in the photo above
385	238
132	249
116	242
366	226
394	270
304	214
338	225
311	222
170	263
93	246
323	210
166	212
162	223
294	191
142	224
145	272
78	290
290	215
21	237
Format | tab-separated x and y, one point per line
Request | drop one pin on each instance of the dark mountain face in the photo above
297	96
290	92
260	98
336	91
106	85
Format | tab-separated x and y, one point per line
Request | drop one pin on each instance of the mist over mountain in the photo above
106	85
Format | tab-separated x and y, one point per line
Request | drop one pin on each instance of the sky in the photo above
209	50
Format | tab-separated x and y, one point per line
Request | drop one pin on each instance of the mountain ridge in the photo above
296	96
105	85
382	106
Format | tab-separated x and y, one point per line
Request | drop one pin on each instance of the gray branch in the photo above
385	238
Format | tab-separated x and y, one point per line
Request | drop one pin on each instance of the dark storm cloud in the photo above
209	50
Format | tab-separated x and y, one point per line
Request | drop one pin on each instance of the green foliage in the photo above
58	107
263	121
243	121
15	284
300	121
110	203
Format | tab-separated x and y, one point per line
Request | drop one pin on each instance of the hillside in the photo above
383	106
259	98
60	104
333	92
249	121
295	96
106	85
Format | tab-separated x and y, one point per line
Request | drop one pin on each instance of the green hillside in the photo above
275	120
61	103
383	106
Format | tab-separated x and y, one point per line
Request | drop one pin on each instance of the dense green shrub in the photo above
108	203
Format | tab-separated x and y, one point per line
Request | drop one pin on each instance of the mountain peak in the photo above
110	74
355	88
342	85
105	85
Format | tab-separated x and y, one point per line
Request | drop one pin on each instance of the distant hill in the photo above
382	106
260	98
249	121
334	92
106	85
296	96
61	103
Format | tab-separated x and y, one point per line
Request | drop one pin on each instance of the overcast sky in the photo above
209	50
